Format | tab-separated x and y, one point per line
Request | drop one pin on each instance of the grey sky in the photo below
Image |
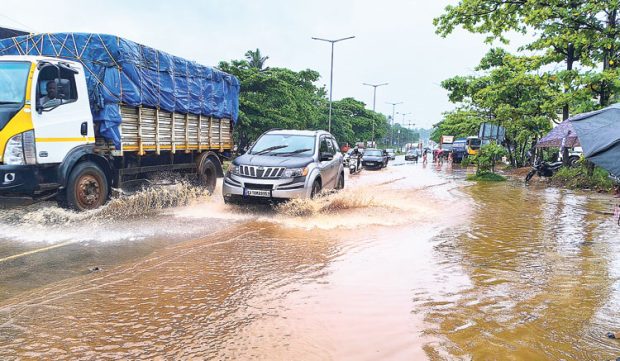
395	40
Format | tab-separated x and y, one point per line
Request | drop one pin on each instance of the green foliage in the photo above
582	34
577	178
486	177
283	98
509	92
461	123
487	157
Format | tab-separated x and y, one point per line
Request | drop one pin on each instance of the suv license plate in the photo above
257	193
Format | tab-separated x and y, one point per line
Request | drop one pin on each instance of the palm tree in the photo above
256	60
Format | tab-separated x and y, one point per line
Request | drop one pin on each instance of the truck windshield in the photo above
284	144
13	78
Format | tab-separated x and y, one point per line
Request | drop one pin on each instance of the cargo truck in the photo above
81	114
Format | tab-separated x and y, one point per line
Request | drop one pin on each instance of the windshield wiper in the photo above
3	103
267	150
296	151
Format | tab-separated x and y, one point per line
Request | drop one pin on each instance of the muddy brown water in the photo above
407	263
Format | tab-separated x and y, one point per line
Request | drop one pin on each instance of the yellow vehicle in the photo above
74	126
472	145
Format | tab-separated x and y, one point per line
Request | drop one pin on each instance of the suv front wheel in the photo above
316	189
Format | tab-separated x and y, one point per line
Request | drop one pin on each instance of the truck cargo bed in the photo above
152	130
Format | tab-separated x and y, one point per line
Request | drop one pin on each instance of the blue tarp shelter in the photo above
599	135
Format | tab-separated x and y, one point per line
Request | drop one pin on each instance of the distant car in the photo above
391	154
285	164
374	159
574	155
412	155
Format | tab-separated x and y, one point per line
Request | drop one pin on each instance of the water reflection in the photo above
537	265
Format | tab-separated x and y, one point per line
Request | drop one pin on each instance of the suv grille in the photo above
261	172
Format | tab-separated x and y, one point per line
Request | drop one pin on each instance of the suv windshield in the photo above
13	78
284	144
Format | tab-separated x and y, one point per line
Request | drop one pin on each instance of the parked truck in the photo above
81	114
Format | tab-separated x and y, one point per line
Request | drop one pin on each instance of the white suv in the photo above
285	164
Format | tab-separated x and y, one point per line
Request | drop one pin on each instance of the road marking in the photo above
36	251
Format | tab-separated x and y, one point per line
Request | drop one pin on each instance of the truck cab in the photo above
44	116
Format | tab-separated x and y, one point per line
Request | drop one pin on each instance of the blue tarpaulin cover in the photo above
599	134
120	71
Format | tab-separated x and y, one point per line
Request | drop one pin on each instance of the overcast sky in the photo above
395	41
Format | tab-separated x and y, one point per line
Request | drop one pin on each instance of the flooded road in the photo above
405	263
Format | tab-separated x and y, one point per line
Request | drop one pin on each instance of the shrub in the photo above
486	177
577	178
486	158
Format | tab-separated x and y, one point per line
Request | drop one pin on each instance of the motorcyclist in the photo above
357	155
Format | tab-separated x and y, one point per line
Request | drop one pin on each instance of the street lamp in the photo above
393	111
403	123
331	76
374	98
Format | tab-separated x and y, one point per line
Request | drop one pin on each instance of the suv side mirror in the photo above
326	156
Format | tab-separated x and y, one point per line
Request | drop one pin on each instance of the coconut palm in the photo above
256	59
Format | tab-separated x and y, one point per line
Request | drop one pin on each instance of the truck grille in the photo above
260	172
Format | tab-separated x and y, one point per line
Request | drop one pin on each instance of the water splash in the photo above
327	203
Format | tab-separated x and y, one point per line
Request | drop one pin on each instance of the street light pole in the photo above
374	99
393	113
331	75
403	123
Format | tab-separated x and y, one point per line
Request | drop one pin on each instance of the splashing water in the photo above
327	203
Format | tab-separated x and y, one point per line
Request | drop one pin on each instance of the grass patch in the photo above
486	177
577	178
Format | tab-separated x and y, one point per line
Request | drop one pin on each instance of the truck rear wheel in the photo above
87	188
207	175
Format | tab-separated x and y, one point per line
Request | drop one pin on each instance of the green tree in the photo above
509	92
283	98
256	60
573	32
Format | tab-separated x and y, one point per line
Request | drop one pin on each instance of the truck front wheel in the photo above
87	187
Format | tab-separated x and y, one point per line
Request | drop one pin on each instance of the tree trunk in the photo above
570	59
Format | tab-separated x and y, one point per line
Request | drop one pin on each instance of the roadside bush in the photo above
486	177
487	157
577	178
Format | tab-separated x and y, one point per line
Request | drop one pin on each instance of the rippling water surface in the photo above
406	263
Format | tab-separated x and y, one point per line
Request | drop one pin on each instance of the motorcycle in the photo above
355	164
543	169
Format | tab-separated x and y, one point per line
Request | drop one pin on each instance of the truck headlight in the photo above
295	172
20	149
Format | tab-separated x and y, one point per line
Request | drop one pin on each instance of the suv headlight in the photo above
233	169
20	149
295	172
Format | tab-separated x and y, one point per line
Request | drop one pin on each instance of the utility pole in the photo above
331	76
402	123
374	99
393	113
409	124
